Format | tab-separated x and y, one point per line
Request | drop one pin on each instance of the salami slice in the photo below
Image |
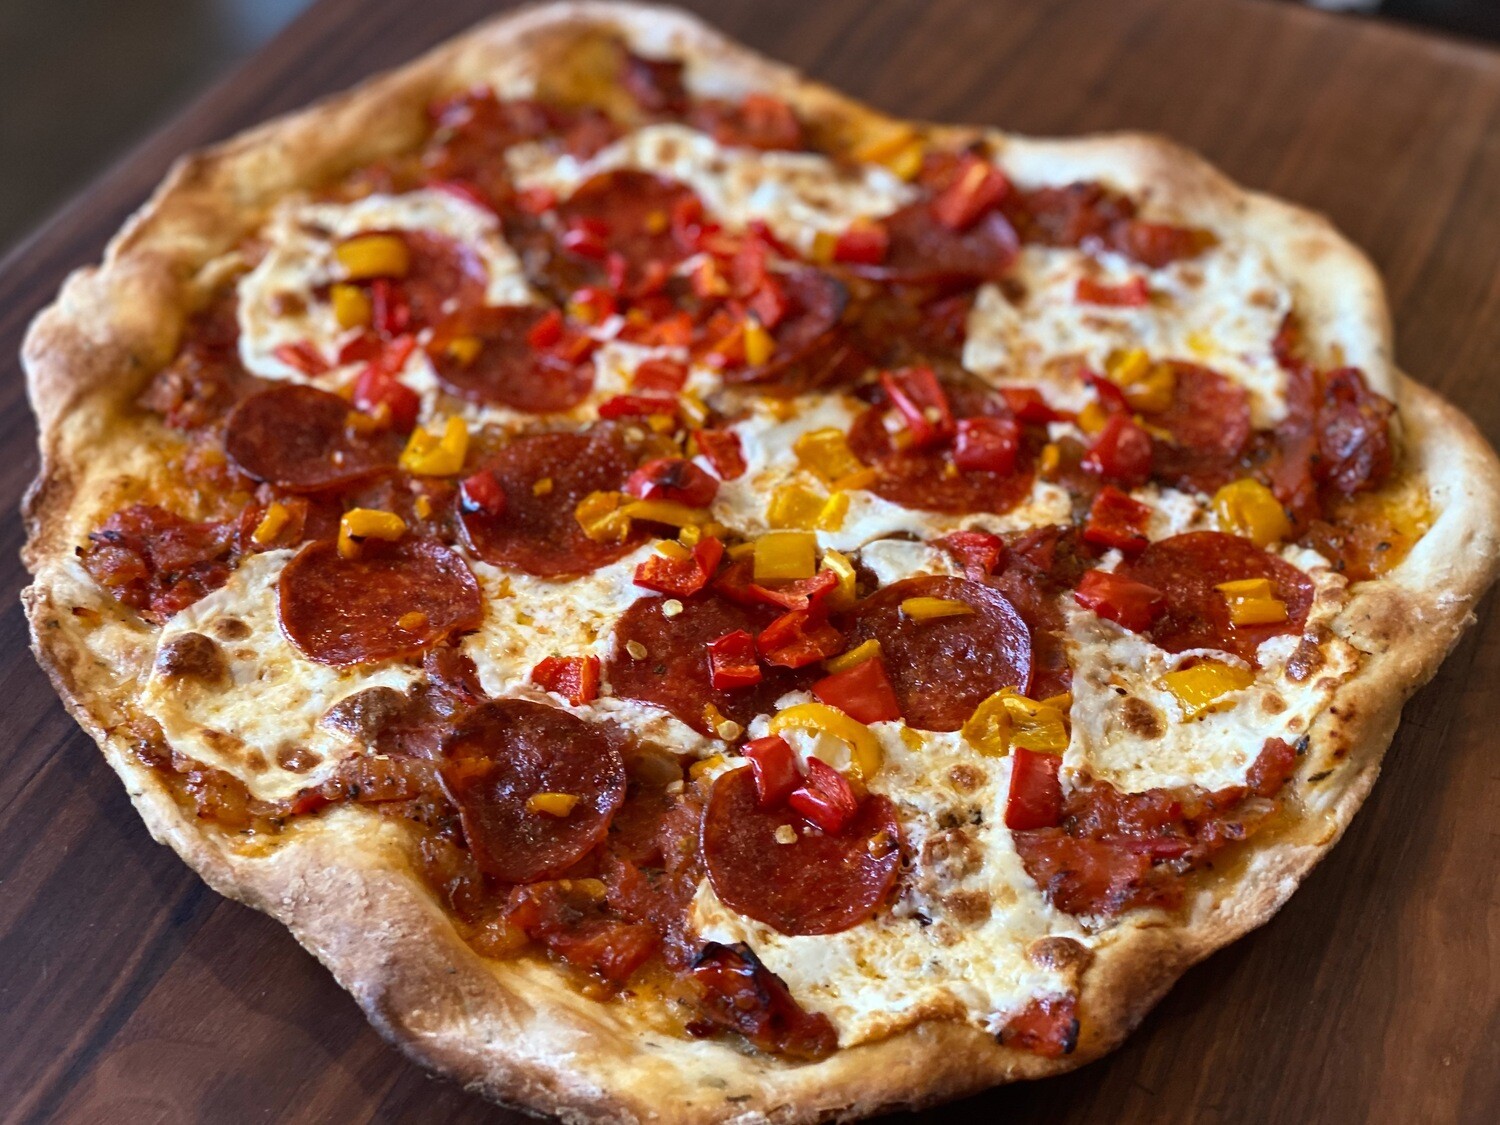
391	601
1187	568
942	668
299	438
925	478
1209	424
508	370
624	212
923	250
1040	565
509	751
442	277
673	673
810	342
818	884
536	529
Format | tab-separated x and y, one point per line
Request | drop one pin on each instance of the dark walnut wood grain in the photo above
130	992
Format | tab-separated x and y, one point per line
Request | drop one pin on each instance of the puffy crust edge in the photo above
519	1032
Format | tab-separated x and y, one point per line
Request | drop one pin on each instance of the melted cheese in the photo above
955	944
798	194
300	259
1221	310
253	723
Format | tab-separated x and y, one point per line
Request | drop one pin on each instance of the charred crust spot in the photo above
363	715
966	778
288	303
950	855
231	629
1141	719
192	656
1272	704
1306	659
1060	954
967	908
296	759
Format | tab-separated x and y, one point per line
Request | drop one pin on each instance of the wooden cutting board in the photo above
130	992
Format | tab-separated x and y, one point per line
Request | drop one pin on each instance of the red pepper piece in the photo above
483	492
803	593
1126	602
1029	407
863	692
797	639
1115	520
918	397
575	678
1121	452
825	799
987	444
731	661
721	448
462	189
547	331
588	238
865	243
775	767
977	186
660	376
636	406
302	356
673	478
979	551
1035	799
1128	294
681	577
390	313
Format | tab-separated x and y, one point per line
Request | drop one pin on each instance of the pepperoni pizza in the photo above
697	600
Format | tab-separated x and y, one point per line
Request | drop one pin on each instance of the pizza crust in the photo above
520	1032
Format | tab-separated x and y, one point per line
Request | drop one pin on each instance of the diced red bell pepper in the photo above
673	478
364	348
798	638
588	238
769	303
863	243
979	551
1115	520
1111	397
1121	452
462	189
731	661
802	593
660	376
389	311
825	799
376	387
575	678
977	186
592	305
547	331
636	406
1126	602
302	356
987	444
1035	799
775	766
863	692
1028	405
681	577
483	492
536	200
721	448
1128	294
919	398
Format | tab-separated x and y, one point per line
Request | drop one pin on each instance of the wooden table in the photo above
130	992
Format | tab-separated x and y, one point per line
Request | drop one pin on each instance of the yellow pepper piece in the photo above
1247	507
464	349
1199	688
1092	418
373	255
818	718
822	246
1252	601
1125	367
845	594
703	765
602	516
897	147
785	555
1246	588
929	609
793	506
1050	459
437	455
270	524
831	518
367	523
759	344
422	506
553	804
351	307
854	657
669	512
826	452
862	478
1008	719
1149	387
671	549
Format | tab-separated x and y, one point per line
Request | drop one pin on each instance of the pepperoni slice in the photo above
942	668
507	752
674	673
1188	567
924	250
508	370
635	209
299	438
442	277
536	530
392	600
1209	424
923	478
809	341
819	884
1040	565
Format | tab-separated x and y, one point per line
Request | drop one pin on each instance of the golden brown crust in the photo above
519	1031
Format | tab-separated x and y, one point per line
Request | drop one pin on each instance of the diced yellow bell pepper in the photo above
1092	418
1008	719
831	518
1148	387
1247	507
1246	588
464	349
553	804
929	609
669	512
270	524
692	407
351	306
822	246
896	147
1125	367
845	594
865	756
860	479
854	657
1199	688
602	516
671	549
422	505
373	255
367	523
759	344
1050	459
437	455
793	506
826	453
785	555
1252	601
703	765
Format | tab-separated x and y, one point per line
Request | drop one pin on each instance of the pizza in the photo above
698	600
